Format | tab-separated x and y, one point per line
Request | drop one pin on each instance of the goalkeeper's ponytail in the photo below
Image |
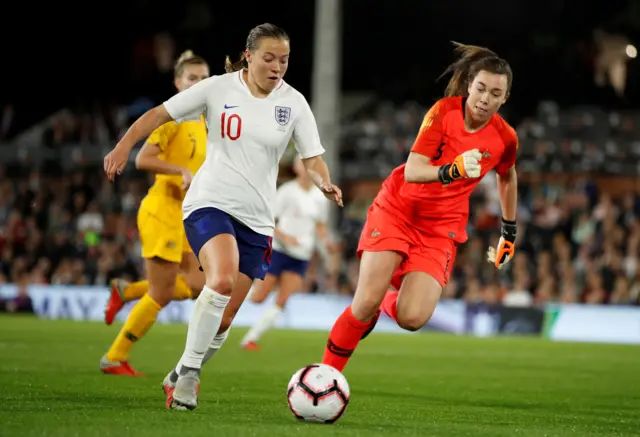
472	60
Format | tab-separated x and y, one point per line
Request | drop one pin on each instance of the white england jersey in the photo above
298	212
247	136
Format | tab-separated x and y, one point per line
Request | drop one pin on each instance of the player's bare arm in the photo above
116	160
508	191
429	145
319	173
419	169
148	160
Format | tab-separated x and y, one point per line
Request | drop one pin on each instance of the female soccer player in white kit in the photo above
300	222
251	116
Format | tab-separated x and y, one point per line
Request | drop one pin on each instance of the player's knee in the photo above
412	322
222	284
411	319
258	297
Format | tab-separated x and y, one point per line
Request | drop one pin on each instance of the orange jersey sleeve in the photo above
431	131
163	136
508	158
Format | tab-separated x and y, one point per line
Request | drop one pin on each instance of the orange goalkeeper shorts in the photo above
384	231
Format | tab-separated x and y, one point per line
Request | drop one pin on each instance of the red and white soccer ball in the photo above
318	393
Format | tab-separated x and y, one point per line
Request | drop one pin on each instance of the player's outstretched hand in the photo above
332	192
501	255
466	165
115	162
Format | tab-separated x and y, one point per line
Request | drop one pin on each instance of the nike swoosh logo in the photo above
229	107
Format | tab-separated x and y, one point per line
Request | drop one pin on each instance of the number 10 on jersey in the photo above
230	127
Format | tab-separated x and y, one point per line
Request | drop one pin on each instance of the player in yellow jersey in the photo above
174	152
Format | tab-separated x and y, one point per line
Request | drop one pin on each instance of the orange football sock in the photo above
344	338
390	304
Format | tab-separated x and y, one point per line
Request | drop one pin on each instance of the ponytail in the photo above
472	59
230	67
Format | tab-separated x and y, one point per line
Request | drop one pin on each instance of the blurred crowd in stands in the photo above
576	243
62	228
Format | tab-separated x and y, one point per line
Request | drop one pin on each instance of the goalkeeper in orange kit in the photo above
420	215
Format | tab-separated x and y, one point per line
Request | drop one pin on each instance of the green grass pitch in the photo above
402	385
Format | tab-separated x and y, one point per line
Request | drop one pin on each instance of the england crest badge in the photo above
283	115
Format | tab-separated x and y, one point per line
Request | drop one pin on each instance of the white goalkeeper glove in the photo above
466	165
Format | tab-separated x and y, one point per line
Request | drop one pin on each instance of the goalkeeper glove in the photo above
506	246
465	165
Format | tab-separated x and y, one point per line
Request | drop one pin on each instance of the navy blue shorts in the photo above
255	249
281	262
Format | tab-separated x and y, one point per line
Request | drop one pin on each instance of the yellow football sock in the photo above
182	290
142	317
136	290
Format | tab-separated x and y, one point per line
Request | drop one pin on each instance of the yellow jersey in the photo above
182	144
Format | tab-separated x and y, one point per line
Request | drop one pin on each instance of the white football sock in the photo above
266	321
203	325
215	346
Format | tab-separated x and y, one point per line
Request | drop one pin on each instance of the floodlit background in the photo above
75	76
